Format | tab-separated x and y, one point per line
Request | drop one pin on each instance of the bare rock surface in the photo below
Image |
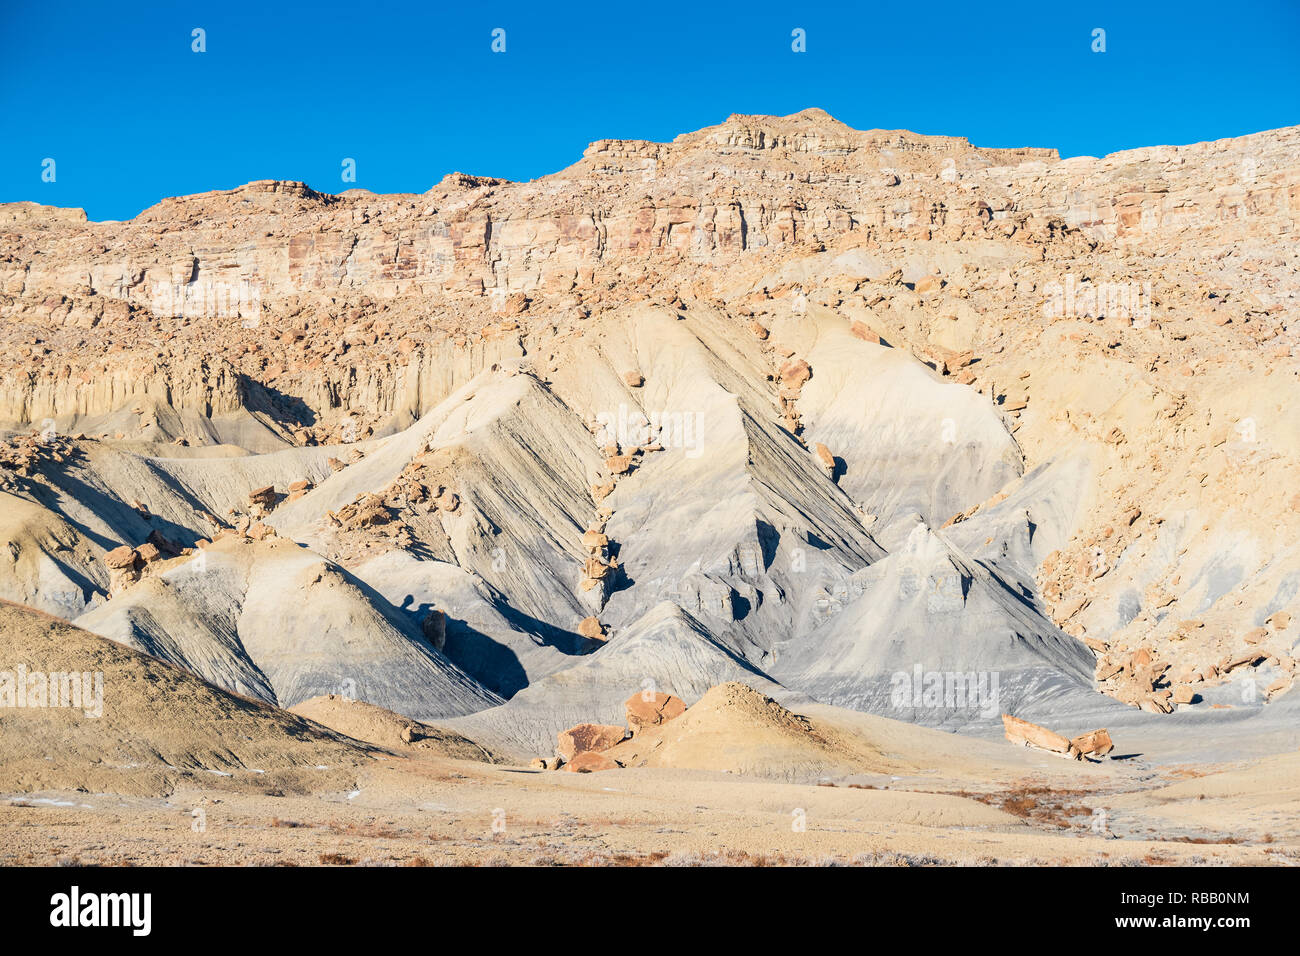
835	413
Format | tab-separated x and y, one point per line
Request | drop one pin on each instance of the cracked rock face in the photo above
843	415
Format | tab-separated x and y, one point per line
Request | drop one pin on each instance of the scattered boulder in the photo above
124	566
121	557
434	628
262	496
1096	743
633	379
796	373
591	762
584	738
619	464
825	457
650	710
1031	735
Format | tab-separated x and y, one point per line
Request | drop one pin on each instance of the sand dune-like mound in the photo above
99	717
362	721
667	649
735	729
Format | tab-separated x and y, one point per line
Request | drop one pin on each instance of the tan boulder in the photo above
825	457
1031	735
590	762
658	709
1278	686
592	628
124	557
864	332
1096	742
619	464
262	496
583	738
633	379
595	568
796	373
148	552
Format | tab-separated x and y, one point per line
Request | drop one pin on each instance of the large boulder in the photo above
587	738
589	761
1096	743
1031	735
650	710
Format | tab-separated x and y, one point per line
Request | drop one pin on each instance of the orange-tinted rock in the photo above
590	762
122	557
796	373
619	464
1023	732
592	628
1096	743
660	708
863	331
262	496
584	738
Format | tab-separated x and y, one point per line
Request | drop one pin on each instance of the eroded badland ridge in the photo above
780	402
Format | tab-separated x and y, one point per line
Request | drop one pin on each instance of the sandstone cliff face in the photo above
361	280
1129	322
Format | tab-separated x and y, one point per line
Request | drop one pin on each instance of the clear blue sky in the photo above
113	93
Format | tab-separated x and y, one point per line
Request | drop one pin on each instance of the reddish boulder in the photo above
796	373
1097	743
589	761
1031	735
658	709
583	738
